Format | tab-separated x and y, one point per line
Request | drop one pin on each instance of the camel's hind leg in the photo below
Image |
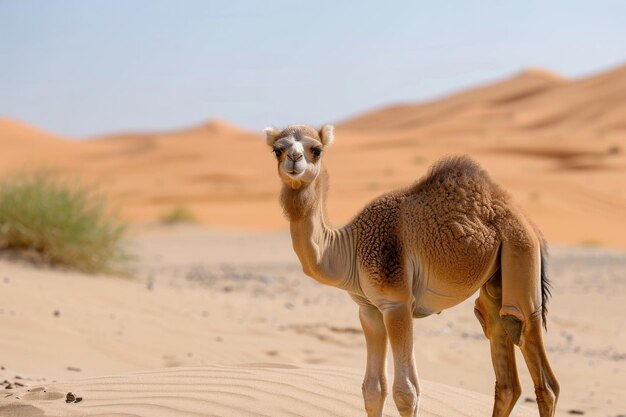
546	385
521	309
487	311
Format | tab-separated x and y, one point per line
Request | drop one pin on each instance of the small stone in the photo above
529	400
73	369
576	412
56	313
18	384
78	399
70	398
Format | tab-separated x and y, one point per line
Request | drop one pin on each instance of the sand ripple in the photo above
258	389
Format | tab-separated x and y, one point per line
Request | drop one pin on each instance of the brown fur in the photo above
456	211
302	202
298	131
450	212
378	249
423	249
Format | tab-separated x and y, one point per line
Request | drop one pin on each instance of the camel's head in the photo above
299	150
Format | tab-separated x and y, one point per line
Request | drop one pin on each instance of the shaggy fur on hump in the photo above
451	168
459	166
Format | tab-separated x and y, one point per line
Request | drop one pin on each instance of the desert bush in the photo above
178	214
64	223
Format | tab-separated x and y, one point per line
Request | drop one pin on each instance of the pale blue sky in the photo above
82	68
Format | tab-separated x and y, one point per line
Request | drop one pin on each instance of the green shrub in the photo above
66	224
179	214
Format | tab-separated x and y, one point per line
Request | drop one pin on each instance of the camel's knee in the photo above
513	328
374	393
406	399
508	394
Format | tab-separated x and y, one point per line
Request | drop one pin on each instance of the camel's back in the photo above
452	218
456	204
445	225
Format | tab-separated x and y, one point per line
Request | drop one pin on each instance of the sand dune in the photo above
484	103
16	135
258	389
559	146
534	100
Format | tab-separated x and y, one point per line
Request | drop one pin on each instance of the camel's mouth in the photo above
292	170
294	173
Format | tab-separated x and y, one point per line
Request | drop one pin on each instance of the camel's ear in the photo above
327	134
271	133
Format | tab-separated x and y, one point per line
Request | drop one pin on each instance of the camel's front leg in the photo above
375	381
399	324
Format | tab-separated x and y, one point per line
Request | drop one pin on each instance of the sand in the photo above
559	146
215	319
258	389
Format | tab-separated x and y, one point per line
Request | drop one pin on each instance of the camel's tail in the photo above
546	287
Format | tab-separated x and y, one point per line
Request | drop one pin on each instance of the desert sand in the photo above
218	320
258	389
227	325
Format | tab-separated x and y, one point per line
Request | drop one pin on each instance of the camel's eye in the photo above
278	152
316	151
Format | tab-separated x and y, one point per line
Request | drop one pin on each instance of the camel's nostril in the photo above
296	157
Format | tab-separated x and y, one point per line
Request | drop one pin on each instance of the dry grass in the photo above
66	224
179	214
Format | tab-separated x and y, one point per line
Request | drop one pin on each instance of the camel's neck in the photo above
326	254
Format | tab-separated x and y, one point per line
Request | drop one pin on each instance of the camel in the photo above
418	251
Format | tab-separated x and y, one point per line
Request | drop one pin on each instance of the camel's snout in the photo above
295	157
295	163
